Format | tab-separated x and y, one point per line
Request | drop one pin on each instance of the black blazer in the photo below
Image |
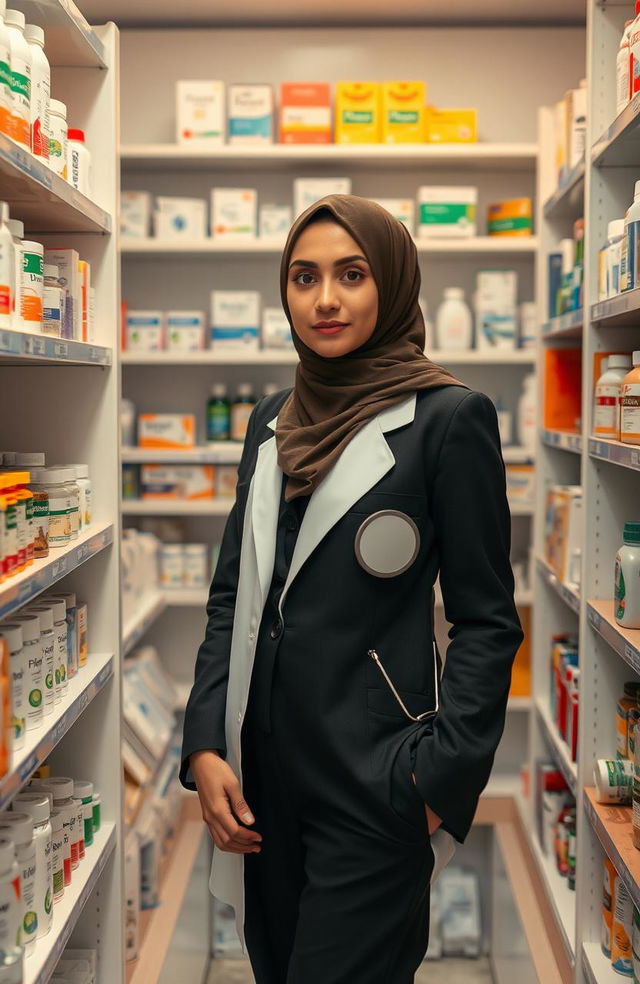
449	478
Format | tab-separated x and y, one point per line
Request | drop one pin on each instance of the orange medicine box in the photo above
563	389
172	431
305	113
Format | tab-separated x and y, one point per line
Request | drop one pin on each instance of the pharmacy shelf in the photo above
40	742
562	900
467	156
620	311
596	966
570	595
521	509
17	347
468	246
614	830
615	452
222	452
626	642
564	326
560	748
564	440
568	198
186	597
519	704
157	925
39	966
618	146
44	201
177	507
42	574
513	454
150	607
71	41
276	357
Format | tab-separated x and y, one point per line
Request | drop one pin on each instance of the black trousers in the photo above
340	891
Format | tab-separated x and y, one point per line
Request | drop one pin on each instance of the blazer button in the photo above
276	629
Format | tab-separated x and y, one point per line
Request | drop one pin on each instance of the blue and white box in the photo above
185	331
145	331
250	112
235	319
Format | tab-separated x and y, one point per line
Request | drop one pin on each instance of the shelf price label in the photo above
5	341
632	656
61	350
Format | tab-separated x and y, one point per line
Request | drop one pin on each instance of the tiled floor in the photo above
431	972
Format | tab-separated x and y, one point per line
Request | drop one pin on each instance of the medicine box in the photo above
180	218
185	331
166	430
402	209
496	309
226	480
200	113
358	117
520	484
67	261
305	113
576	116
177	481
84	276
403	112
234	213
250	116
276	330
235	319
144	331
510	218
451	125
307	191
135	214
275	221
447	212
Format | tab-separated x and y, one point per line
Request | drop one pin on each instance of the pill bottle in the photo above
615	234
40	89
606	403
40	503
54	482
83	790
34	666
454	321
7	270
83	642
84	485
12	965
630	404
16	228
97	812
241	410
18	672
49	653
172	565
6	98
10	910
10	531
24	495
37	805
613	779
19	827
195	565
58	853
20	78
59	609
218	414
74	500
62	789
627	578
69	599
52	301
625	704
78	161
58	137
32	285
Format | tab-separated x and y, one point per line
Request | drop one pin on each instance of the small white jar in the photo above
32	654
59	609
172	565
84	485
19	827
10	912
78	161
49	654
58	137
12	633
38	806
57	853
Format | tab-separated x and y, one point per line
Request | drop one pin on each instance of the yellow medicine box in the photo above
403	112
510	218
451	125
357	112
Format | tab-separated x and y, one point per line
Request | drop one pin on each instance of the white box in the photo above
402	209
576	126
200	115
135	214
235	319
276	330
528	324
66	260
185	331
250	119
145	331
496	301
234	213
275	221
447	212
180	218
306	191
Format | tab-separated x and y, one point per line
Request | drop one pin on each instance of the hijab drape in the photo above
334	398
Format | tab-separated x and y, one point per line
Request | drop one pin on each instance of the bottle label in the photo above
630	414
606	411
217	424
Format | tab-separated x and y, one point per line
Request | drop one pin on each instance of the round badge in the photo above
387	543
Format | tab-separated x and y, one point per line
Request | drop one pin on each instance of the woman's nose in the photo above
327	296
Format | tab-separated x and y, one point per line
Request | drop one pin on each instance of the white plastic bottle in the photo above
78	161
5	74
48	644
19	827
16	228
37	805
33	661
7	269
454	322
20	78
52	301
40	90
527	413
623	64
10	917
32	285
615	235
12	633
606	398
634	53
58	137
627	578
630	241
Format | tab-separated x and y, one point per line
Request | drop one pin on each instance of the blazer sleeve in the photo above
204	721
472	523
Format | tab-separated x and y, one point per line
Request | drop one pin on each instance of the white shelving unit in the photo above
61	397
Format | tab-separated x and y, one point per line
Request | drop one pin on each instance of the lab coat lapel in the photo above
264	512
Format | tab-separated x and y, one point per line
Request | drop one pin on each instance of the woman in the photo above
378	472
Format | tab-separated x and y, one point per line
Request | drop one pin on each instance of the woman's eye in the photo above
300	279
353	276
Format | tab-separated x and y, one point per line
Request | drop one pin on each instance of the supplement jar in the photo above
19	827
37	805
10	912
12	633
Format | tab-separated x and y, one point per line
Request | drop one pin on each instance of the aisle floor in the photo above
440	972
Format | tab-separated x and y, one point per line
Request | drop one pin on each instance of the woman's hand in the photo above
219	794
433	820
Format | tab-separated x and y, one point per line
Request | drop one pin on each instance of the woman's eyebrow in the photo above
337	263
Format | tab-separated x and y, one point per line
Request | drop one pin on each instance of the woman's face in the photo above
331	293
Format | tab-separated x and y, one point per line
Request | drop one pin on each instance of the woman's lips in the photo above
330	327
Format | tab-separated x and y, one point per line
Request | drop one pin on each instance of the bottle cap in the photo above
83	789
9	458
631	535
194	548
30	459
30	627
219	390
81	471
68	597
245	389
21	826
34	34
75	134
619	362
615	228
55	106
48	270
16	228
36	804
15	18
45	614
270	389
635	358
454	293
12	634
7	853
60	786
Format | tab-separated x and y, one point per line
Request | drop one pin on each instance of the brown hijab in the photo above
334	398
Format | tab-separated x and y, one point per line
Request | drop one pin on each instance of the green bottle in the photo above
218	415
